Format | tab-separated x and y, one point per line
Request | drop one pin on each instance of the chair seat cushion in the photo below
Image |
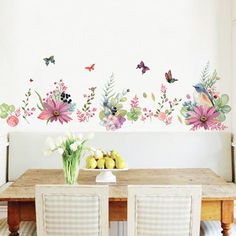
27	228
213	228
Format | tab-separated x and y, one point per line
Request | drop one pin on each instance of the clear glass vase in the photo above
71	167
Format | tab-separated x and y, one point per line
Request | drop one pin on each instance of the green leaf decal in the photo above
3	115
144	95
218	102
119	106
184	111
153	97
113	102
121	113
124	99
40	100
180	120
221	117
12	108
101	115
224	99
226	109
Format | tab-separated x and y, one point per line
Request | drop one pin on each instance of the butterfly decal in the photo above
142	66
31	80
48	60
90	68
169	77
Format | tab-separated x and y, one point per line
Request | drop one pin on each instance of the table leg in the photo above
227	216
13	218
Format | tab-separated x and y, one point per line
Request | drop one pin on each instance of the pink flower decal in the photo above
203	117
163	88
55	111
12	121
162	116
134	102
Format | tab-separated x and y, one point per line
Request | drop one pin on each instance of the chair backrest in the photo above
76	210
164	210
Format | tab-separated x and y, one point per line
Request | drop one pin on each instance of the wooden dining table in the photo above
217	195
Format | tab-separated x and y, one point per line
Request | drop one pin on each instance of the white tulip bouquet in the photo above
70	147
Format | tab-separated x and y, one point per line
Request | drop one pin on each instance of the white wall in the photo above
139	149
233	10
178	35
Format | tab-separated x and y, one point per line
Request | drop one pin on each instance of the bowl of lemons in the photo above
105	163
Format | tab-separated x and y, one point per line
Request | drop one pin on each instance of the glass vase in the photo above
71	167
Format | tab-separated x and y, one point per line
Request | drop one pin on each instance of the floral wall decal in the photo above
12	115
164	107
57	105
112	114
208	108
87	111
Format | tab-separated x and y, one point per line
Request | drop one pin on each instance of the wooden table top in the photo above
214	187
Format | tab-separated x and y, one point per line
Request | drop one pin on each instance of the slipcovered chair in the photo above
76	210
164	210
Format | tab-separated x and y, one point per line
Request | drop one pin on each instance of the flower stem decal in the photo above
135	110
12	115
26	110
87	112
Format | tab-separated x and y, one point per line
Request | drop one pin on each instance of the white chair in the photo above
77	210
164	210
